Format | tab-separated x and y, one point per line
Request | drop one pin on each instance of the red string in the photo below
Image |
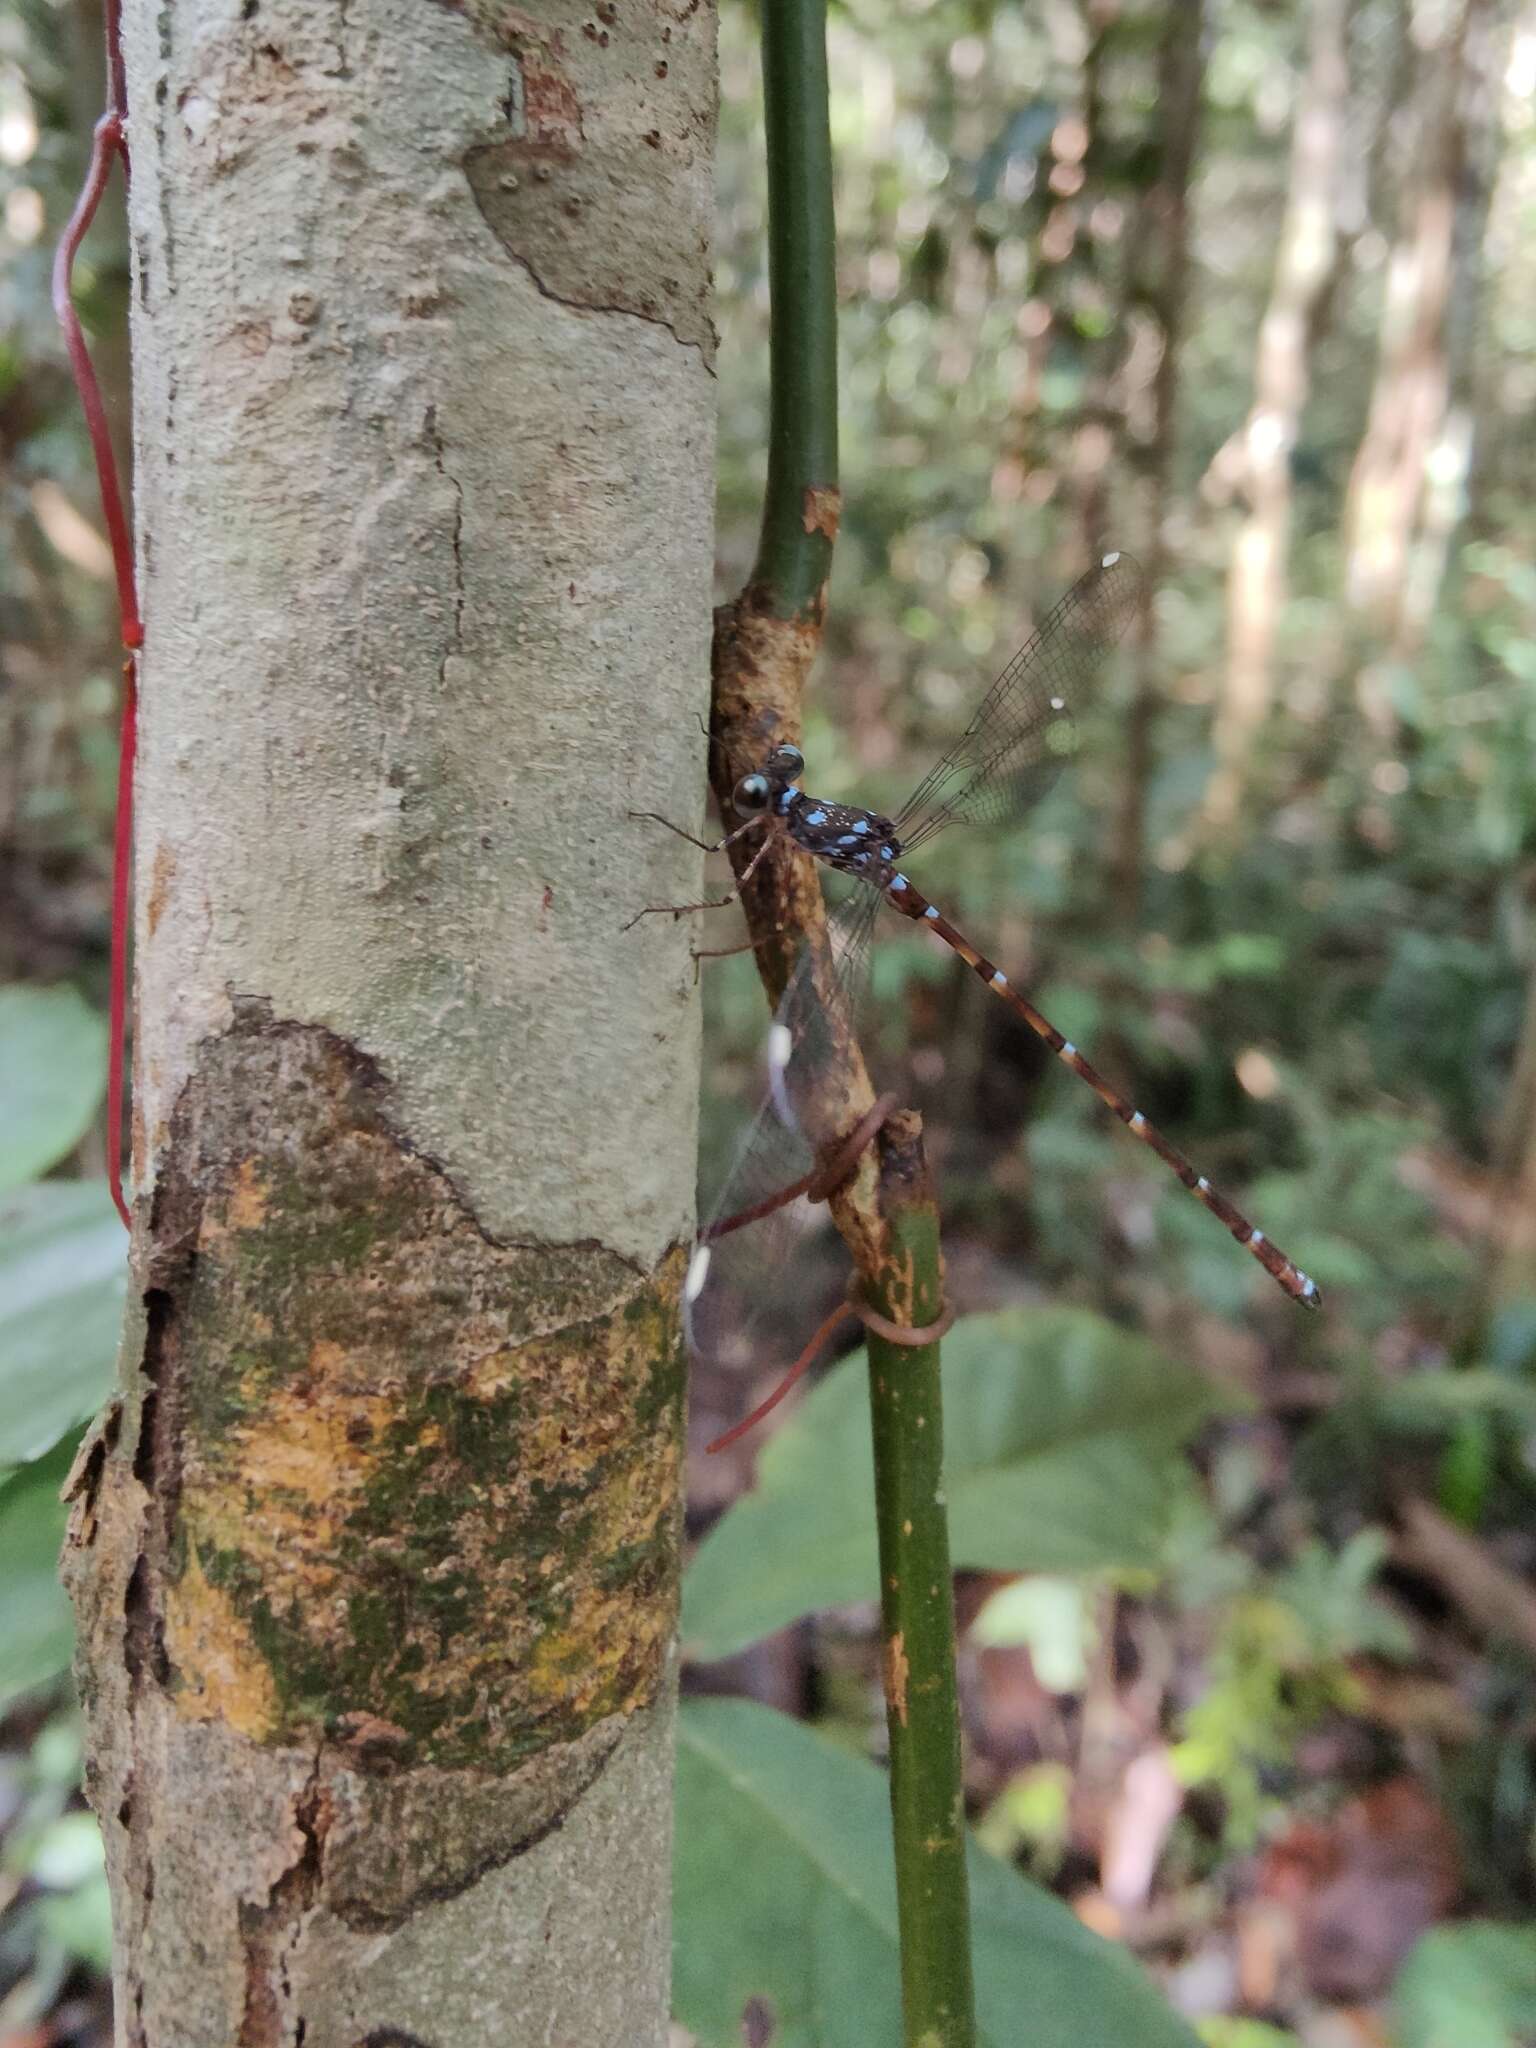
800	1366
117	1001
855	1305
108	144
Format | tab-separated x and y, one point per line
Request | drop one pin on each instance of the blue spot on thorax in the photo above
809	819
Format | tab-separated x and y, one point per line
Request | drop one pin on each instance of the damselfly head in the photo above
755	792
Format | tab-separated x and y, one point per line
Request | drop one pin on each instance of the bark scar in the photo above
896	1669
581	206
821	508
270	1932
456	646
392	1467
652	265
84	1478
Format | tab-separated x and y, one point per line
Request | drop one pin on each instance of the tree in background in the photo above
1305	268
1160	288
1407	489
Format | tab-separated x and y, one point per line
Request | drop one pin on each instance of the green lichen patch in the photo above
404	1472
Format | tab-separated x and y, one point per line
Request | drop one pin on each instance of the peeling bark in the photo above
570	192
375	1553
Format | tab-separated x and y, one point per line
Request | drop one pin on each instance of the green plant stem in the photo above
794	553
918	1616
763	645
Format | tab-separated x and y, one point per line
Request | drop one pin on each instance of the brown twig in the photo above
1492	1597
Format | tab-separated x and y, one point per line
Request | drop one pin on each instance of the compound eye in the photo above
788	761
751	794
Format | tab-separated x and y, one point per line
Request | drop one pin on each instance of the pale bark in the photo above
1304	268
1162	283
1499	461
1454	459
1405	490
375	1559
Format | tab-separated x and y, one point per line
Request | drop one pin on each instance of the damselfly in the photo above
1006	759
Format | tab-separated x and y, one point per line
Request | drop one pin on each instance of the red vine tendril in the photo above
108	143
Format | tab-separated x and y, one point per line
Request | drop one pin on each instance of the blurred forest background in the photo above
1244	288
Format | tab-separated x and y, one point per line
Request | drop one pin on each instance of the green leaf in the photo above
784	1892
36	1627
1061	1435
67	1852
52	1072
63	1273
80	1921
1052	1617
1229	2033
1468	1987
1440	1402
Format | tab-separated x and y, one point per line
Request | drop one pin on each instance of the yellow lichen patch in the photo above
570	1646
633	1517
896	1669
590	1645
558	1446
221	1675
606	1658
311	1442
491	1374
571	1431
243	1207
419	1475
247	1208
280	1491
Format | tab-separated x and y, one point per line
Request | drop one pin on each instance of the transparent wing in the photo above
751	1301
1023	731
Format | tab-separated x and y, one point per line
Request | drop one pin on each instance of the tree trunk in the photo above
1394	498
1399	521
375	1556
1498	454
1508	1250
1162	249
1304	267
